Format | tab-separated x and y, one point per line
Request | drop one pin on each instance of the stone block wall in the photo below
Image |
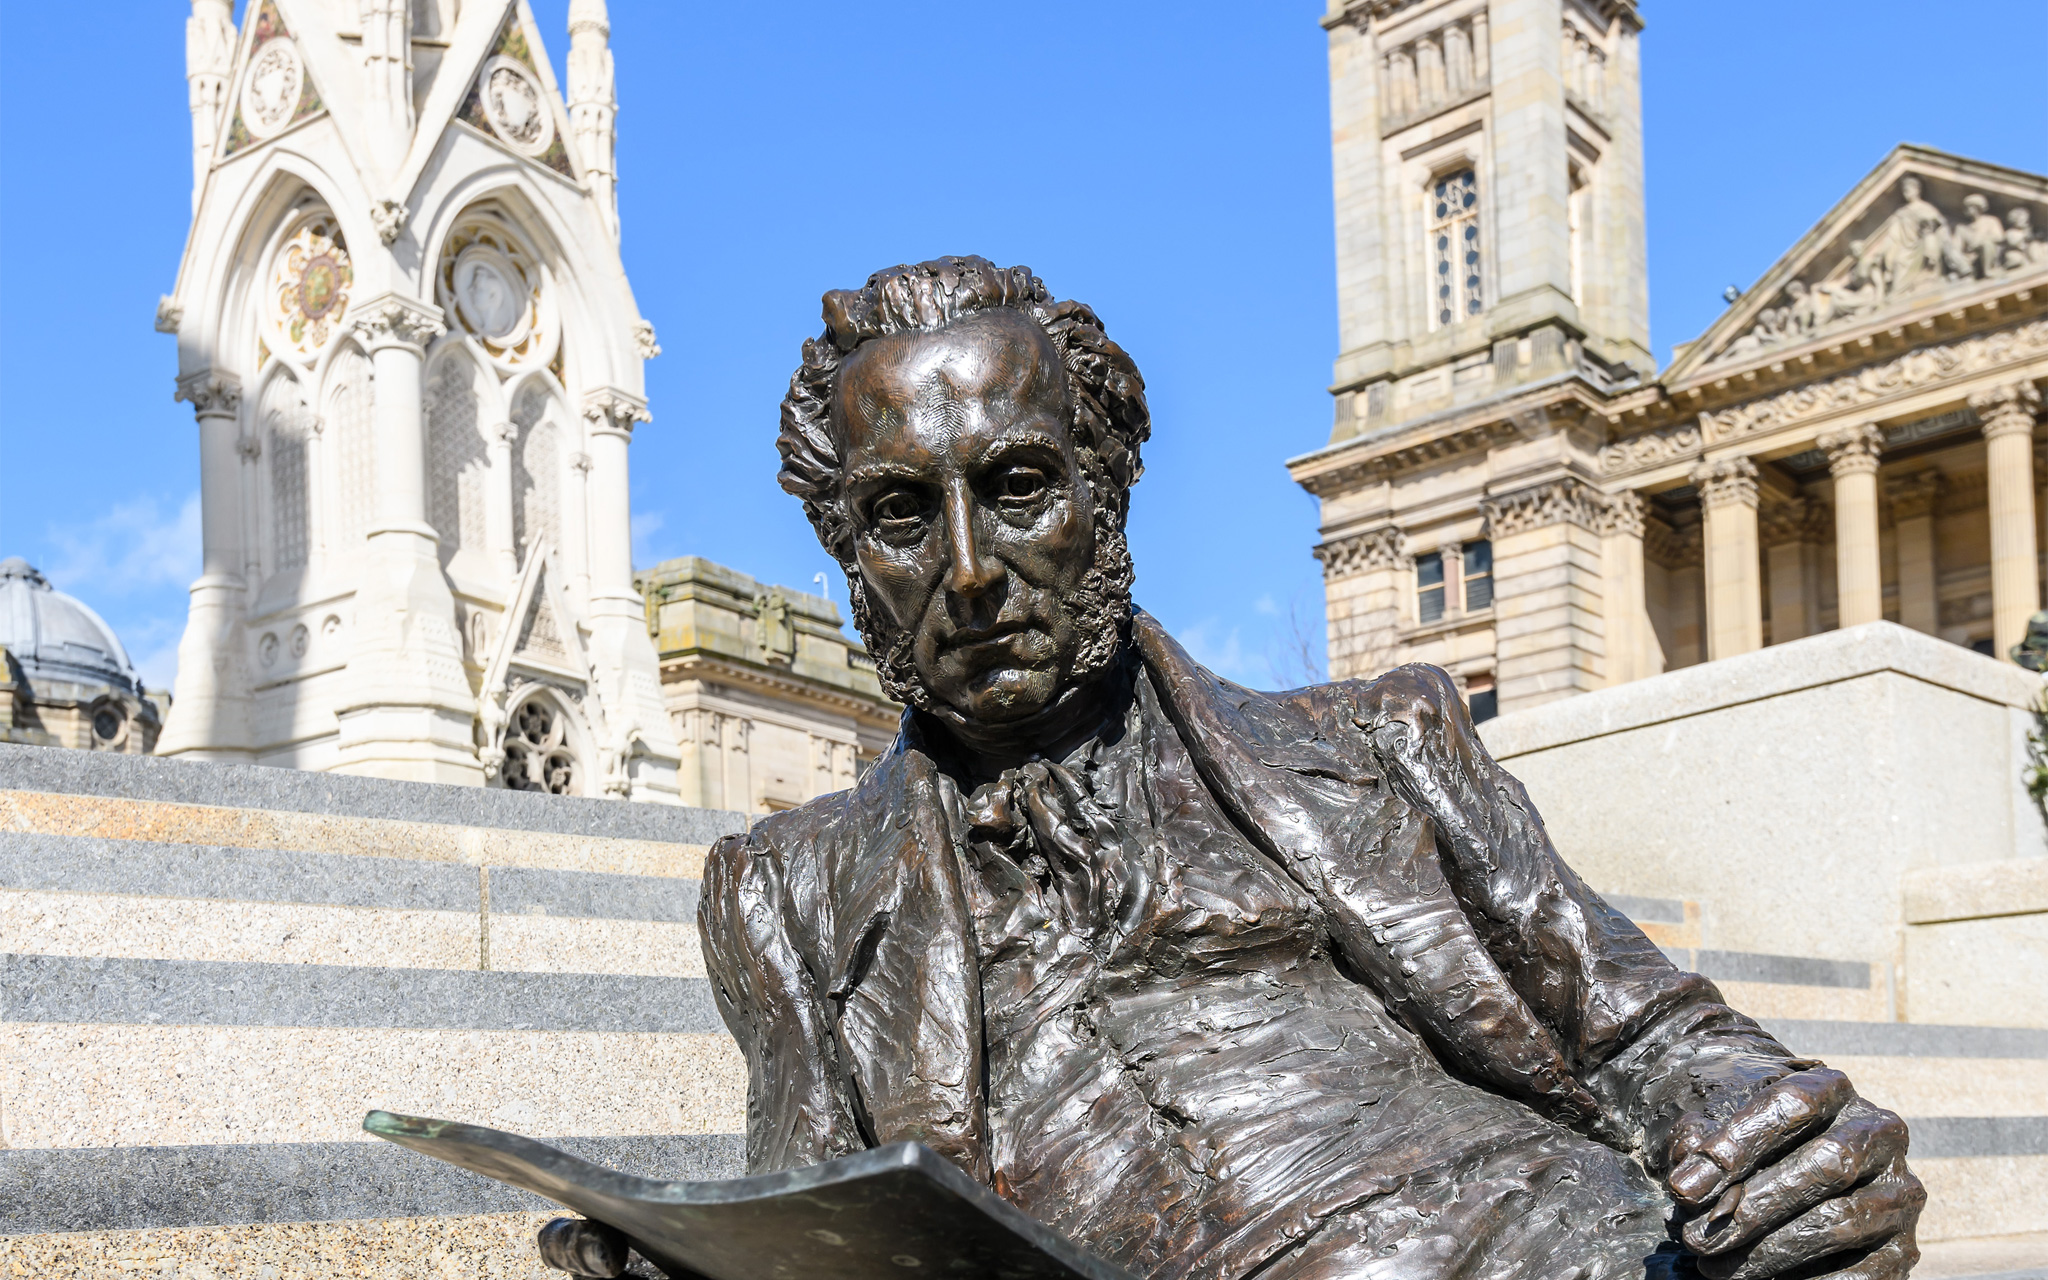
1835	831
210	973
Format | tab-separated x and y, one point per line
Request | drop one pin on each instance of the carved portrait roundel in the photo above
271	87
308	292
495	290
516	105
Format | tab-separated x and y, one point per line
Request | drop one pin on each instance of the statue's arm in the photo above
1649	1042
798	1098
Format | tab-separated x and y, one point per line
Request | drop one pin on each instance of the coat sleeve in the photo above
799	1108
1648	1041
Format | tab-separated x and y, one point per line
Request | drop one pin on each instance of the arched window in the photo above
536	471
283	422
1456	292
457	467
349	399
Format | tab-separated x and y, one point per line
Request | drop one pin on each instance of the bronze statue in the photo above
1214	982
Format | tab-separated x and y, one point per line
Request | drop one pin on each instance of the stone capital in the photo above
2007	410
1567	501
211	394
1725	482
1852	450
1347	557
1620	516
394	320
615	412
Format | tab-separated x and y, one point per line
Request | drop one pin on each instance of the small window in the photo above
1485	704
1429	587
1454	248
1478	576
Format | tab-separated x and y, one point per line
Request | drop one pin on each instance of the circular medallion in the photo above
309	287
517	107
492	288
271	87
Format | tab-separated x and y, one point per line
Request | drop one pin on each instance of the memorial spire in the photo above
593	101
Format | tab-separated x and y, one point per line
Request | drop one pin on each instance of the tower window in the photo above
1478	576
1429	587
1454	247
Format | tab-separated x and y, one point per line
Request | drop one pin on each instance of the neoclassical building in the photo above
1514	491
407	334
65	678
772	701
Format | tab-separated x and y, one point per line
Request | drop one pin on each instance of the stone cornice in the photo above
1382	548
701	664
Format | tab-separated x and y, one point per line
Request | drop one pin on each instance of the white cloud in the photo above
1267	605
1223	653
133	546
645	525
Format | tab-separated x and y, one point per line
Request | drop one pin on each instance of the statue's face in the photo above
973	523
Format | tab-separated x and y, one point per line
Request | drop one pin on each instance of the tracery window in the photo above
456	459
284	422
349	393
536	473
1454	249
537	756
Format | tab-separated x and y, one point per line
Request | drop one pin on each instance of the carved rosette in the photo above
211	395
495	289
2007	410
310	282
1852	450
392	320
614	411
1567	501
1726	482
1362	552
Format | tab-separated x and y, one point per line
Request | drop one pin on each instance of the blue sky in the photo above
1169	166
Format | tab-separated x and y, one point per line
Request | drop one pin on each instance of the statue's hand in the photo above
1807	1170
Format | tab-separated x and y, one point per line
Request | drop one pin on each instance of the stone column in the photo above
1734	566
1549	637
1913	499
1792	536
622	654
2008	416
1859	577
498	499
1632	649
1362	599
407	710
576	525
210	705
249	448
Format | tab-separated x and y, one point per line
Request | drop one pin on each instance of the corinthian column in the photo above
1632	649
1735	599
2008	417
210	703
407	711
1859	579
622	653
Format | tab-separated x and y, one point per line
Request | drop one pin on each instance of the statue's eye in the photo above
1020	485
897	510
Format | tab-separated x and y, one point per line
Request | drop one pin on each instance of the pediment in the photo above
512	98
1910	238
273	85
540	635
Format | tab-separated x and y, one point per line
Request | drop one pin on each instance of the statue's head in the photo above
1910	188
965	447
1975	205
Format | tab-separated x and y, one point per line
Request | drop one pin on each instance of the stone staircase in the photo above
210	973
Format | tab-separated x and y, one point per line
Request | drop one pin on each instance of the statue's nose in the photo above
970	574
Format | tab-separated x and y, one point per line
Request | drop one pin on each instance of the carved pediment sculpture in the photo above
1920	228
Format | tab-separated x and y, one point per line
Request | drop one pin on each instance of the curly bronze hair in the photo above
1110	425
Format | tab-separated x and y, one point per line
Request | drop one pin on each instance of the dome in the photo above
55	637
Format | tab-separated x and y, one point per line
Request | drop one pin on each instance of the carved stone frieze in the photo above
1725	482
1921	367
1567	501
1650	449
2007	410
1917	249
1383	548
